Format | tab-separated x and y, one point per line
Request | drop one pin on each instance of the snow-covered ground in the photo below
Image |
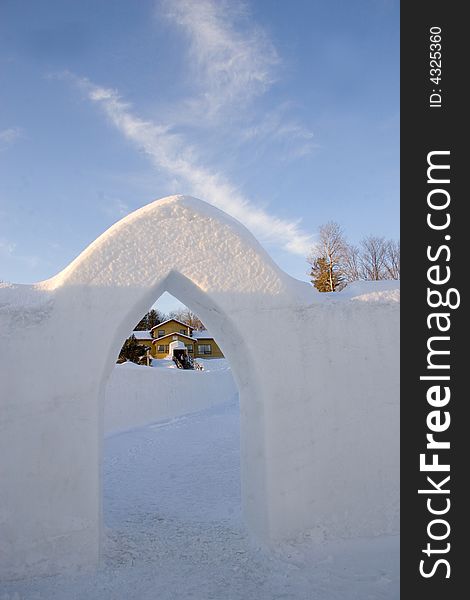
174	531
208	364
137	395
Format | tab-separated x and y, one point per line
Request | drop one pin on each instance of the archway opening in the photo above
220	324
171	453
178	340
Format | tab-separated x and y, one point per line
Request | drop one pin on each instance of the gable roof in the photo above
142	335
202	335
155	340
169	321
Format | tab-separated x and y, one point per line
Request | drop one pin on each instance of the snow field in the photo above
138	395
173	529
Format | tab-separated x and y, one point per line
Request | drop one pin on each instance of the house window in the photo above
167	348
204	349
161	332
183	331
190	347
161	349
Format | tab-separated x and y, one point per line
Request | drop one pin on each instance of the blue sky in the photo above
285	114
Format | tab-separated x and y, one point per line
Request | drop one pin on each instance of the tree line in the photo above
334	262
155	317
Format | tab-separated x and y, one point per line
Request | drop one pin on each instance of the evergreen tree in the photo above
142	325
334	262
327	259
322	277
131	350
149	320
155	317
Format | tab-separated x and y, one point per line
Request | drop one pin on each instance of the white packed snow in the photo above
371	291
174	530
142	335
162	363
137	395
213	364
198	335
317	376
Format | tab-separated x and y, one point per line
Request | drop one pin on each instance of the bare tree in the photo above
334	262
392	263
352	263
374	258
187	316
327	258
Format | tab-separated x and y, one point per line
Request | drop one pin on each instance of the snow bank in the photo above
372	291
213	364
317	376
137	395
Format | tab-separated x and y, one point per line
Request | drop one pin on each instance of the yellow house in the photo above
199	344
171	326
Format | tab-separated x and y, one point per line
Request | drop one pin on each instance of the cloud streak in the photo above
232	60
277	127
10	135
170	152
7	247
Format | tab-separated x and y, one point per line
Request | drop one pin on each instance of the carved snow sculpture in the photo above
318	398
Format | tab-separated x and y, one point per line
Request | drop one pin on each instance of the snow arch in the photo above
296	474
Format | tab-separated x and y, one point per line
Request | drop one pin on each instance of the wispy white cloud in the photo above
232	60
278	127
6	247
231	63
10	135
171	153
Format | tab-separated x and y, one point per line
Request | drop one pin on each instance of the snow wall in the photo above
137	396
317	376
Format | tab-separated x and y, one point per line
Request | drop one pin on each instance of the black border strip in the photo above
433	124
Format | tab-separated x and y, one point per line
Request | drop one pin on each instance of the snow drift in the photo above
137	395
318	396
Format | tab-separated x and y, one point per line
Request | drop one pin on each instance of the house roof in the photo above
202	335
142	335
168	321
154	340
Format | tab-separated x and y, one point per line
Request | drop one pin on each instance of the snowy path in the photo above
172	511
